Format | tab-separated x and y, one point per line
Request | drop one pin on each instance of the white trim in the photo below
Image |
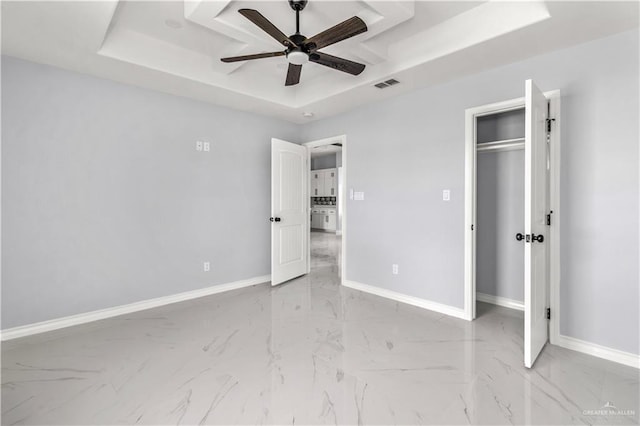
343	200
593	349
409	300
469	215
500	301
326	141
554	206
86	317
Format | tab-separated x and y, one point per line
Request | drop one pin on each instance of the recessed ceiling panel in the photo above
188	39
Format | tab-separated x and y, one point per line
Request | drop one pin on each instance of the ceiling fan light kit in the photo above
300	49
297	57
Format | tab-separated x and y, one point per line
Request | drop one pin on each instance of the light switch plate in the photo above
198	145
207	146
358	196
446	195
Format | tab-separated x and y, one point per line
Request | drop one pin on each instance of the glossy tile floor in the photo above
307	352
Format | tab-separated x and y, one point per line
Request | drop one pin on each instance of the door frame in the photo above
343	199
470	205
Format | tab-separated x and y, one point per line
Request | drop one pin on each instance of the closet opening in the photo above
512	207
500	208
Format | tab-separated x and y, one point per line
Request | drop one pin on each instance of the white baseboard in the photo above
58	323
567	342
500	301
615	355
410	300
626	358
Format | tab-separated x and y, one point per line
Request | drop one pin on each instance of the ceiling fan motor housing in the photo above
298	39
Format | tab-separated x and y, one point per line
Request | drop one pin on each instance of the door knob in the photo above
275	219
534	237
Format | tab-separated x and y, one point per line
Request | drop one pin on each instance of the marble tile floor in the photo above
307	352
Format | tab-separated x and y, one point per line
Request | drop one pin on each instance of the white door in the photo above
316	221
314	184
330	183
319	185
536	202
289	212
331	220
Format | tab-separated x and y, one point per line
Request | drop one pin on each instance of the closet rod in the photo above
504	145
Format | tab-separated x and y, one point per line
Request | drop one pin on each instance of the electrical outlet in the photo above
207	146
394	269
198	145
446	195
207	266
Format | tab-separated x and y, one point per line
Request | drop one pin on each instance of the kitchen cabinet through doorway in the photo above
324	183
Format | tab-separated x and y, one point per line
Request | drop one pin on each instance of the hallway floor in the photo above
306	352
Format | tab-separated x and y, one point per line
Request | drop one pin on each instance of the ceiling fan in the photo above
300	49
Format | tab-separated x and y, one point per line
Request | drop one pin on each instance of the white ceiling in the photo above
176	46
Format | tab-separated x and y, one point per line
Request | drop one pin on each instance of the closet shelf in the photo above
503	145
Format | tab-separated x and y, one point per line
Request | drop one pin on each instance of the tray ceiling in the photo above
176	46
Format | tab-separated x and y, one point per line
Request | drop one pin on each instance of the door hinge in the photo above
549	120
549	218
472	227
548	313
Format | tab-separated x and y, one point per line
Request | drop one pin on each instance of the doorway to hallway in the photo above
326	205
302	203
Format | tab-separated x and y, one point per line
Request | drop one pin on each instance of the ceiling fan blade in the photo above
293	75
248	57
337	63
266	26
349	28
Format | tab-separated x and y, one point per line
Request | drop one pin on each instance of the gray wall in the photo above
500	216
323	162
105	200
403	184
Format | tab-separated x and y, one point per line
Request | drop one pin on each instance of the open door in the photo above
536	202
289	212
